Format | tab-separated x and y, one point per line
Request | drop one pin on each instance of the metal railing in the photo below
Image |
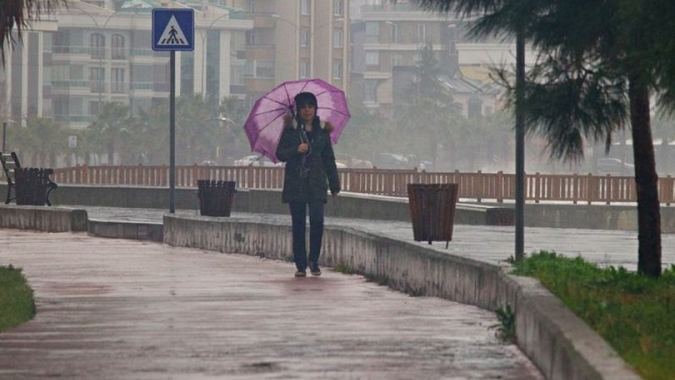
498	186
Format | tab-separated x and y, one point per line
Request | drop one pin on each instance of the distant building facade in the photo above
386	43
296	39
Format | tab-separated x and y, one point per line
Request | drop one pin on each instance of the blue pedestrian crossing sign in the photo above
173	29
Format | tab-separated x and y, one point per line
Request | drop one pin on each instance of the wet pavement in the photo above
123	309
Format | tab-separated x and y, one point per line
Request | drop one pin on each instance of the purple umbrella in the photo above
265	121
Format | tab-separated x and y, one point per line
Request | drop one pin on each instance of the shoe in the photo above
300	273
314	269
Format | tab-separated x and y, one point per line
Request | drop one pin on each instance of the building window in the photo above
96	76
264	69
61	108
117	46
117	80
304	37
395	33
370	90
372	58
97	45
337	38
396	59
421	32
304	7
372	28
304	69
337	69
338	6
251	38
94	108
250	6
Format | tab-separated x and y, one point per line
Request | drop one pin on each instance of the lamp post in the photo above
226	120
205	34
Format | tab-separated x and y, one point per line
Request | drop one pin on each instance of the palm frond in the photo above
16	15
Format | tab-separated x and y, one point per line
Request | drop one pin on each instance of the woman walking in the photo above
310	171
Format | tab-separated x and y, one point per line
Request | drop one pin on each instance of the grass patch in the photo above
635	314
343	268
505	330
16	298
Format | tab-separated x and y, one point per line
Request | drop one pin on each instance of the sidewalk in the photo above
123	309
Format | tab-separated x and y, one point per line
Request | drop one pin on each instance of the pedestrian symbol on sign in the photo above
173	35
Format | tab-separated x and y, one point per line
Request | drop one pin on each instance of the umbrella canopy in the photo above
265	121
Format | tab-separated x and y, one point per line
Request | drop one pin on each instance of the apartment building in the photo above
92	52
386	42
296	39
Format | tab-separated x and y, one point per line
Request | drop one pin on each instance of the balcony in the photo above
260	52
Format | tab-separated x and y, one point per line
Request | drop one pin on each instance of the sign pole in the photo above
172	133
172	29
520	147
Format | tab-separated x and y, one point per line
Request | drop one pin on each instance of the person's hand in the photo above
302	148
334	193
328	127
288	119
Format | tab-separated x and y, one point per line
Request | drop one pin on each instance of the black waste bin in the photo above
32	185
432	211
215	197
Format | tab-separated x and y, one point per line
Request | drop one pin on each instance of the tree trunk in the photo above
646	180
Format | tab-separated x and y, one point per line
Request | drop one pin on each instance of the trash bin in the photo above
432	211
215	197
31	186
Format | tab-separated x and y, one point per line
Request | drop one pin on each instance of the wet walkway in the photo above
122	309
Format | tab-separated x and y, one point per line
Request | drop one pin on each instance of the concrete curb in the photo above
46	219
126	230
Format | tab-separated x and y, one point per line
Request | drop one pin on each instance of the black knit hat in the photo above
304	98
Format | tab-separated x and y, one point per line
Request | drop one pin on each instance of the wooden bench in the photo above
12	169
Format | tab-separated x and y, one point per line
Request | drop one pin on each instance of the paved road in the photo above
121	309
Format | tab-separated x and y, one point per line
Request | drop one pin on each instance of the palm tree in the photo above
110	128
598	65
17	15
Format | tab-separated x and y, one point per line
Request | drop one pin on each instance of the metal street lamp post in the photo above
226	120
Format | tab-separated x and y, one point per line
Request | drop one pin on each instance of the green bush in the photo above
16	298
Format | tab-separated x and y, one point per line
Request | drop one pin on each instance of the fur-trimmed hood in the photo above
293	124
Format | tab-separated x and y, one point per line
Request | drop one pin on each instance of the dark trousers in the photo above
299	219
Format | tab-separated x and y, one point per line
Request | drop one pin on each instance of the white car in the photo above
255	160
246	161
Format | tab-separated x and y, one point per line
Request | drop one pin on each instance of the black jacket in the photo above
300	184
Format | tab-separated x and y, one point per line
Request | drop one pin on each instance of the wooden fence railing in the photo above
493	186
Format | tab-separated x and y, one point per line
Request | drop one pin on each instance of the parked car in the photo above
391	161
614	166
255	160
